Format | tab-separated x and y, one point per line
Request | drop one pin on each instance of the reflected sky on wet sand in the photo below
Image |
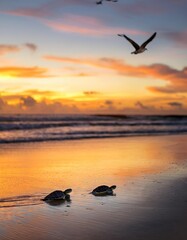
149	172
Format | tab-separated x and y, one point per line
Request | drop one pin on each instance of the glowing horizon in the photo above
65	57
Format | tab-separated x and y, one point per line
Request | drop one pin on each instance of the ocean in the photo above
149	172
35	128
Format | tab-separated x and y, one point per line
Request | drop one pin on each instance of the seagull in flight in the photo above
138	49
101	1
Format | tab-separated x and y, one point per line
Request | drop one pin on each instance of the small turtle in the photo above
58	195
103	190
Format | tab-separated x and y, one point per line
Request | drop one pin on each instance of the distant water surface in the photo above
34	128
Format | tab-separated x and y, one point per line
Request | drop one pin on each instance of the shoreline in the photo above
90	138
150	201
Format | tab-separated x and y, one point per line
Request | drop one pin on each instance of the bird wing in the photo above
148	40
135	45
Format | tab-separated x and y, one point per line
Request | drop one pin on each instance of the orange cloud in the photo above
28	101
35	92
2	104
46	9
21	72
38	12
141	105
87	26
31	46
91	93
81	74
5	48
70	23
13	97
29	105
35	101
176	78
10	48
179	38
175	104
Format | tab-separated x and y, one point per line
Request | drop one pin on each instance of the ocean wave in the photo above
34	128
89	135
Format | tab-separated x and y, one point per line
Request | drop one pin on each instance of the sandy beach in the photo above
150	201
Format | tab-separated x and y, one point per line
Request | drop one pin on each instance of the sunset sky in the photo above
64	56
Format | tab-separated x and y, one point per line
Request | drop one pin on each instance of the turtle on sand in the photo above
58	195
103	190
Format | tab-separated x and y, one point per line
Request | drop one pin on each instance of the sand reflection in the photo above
81	165
147	172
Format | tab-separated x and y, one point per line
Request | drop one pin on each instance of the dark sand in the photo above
150	202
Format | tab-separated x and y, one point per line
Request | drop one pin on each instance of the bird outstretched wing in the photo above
135	45
99	2
148	40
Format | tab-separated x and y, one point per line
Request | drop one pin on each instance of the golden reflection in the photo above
42	167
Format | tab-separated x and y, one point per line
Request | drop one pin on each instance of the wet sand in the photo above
150	201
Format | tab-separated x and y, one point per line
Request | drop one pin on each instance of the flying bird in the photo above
138	49
101	1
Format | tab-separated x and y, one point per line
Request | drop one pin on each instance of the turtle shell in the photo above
56	195
102	190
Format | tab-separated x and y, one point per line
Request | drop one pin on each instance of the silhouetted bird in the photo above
139	49
101	1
